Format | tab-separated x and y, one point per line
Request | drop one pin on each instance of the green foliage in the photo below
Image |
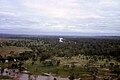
87	53
6	78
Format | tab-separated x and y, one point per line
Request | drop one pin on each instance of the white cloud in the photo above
66	9
108	2
7	13
61	15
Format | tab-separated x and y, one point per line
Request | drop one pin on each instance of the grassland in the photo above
11	50
80	69
83	57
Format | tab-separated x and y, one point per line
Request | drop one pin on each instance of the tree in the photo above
116	70
72	77
94	72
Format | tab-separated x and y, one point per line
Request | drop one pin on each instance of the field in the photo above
80	69
12	50
85	58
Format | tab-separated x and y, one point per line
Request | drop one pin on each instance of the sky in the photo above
60	17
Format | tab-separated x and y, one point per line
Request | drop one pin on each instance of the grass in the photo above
57	70
10	50
5	78
79	70
38	69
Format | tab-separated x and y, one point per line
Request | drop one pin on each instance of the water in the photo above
26	77
19	76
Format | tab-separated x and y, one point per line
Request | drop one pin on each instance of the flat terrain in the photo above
11	50
86	58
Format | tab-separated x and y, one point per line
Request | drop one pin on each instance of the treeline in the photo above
48	47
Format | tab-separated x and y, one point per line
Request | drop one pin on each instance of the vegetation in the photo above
6	78
79	57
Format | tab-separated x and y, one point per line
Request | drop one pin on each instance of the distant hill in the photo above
26	35
13	35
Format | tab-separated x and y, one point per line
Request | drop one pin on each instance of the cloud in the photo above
34	16
109	2
59	9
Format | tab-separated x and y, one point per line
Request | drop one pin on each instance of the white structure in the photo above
60	39
6	61
14	60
